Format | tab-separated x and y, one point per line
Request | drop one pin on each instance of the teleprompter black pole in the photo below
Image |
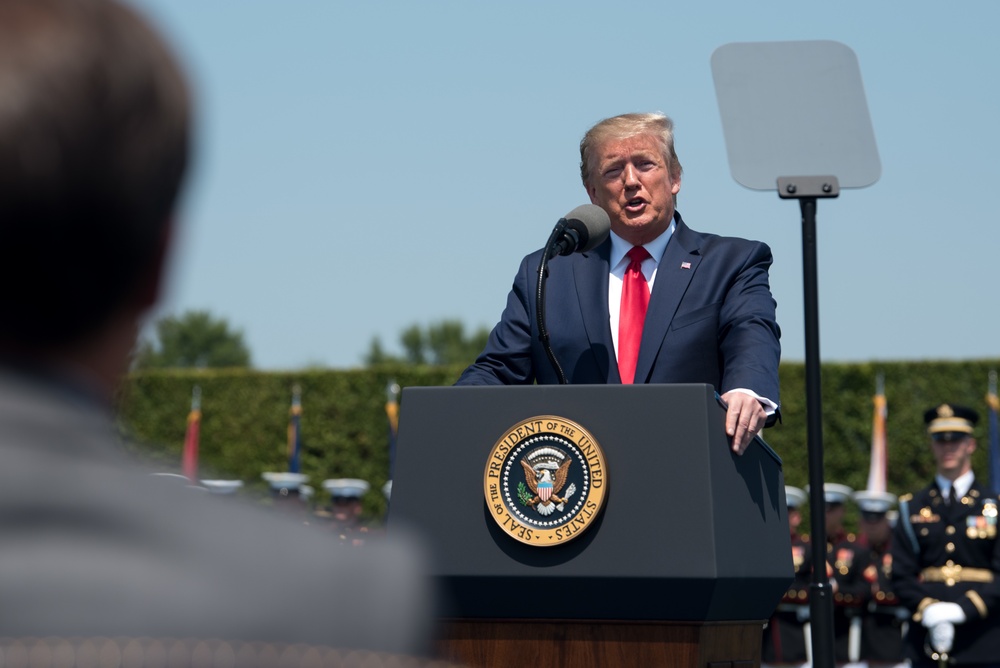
820	591
807	190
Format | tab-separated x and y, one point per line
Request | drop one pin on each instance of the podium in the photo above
687	559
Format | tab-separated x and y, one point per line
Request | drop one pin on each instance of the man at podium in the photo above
656	302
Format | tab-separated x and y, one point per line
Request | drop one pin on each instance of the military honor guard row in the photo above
918	586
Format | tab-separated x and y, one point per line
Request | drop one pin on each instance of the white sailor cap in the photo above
835	493
795	497
280	480
222	486
177	479
874	502
346	488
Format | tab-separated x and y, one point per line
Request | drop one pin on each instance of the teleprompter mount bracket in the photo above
797	187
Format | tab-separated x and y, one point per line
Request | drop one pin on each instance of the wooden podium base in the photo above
584	644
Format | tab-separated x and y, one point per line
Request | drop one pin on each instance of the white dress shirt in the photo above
962	483
619	262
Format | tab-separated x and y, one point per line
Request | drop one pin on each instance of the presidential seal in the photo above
545	481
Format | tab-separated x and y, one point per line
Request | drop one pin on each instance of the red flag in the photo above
189	459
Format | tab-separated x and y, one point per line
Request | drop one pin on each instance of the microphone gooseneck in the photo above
581	230
543	272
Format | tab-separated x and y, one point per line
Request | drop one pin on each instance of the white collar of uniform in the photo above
963	483
655	248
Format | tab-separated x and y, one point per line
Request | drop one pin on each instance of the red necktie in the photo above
635	299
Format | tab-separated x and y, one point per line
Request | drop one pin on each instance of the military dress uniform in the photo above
785	636
289	492
846	563
784	640
950	552
885	617
344	515
849	560
945	550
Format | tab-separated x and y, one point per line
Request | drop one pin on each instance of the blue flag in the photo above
994	448
294	432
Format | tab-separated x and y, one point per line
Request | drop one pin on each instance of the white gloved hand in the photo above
941	636
939	612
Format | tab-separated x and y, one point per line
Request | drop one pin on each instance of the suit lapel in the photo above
591	277
673	276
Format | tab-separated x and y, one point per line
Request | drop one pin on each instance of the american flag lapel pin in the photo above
685	265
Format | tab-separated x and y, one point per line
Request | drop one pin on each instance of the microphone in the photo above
583	229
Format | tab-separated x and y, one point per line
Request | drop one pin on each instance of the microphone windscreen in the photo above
591	222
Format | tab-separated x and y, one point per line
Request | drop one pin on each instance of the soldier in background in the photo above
785	642
345	514
945	553
289	493
847	562
885	618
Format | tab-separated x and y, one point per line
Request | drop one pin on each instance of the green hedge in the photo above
244	425
345	433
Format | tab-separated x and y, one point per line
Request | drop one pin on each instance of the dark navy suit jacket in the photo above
711	319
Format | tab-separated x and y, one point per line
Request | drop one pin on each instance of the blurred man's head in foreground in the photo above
94	138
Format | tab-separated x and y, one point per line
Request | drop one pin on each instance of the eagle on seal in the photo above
546	485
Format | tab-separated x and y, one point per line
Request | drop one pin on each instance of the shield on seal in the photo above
544	489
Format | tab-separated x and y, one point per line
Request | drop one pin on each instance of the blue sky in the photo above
363	167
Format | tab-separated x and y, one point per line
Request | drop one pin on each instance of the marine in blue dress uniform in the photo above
847	561
784	641
885	618
946	556
344	515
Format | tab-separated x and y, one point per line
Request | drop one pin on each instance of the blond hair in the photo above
625	126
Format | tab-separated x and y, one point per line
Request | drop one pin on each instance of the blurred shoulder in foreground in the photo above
95	119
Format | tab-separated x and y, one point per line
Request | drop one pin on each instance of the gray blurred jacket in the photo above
91	545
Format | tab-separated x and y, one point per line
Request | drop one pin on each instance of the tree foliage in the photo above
194	339
440	344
